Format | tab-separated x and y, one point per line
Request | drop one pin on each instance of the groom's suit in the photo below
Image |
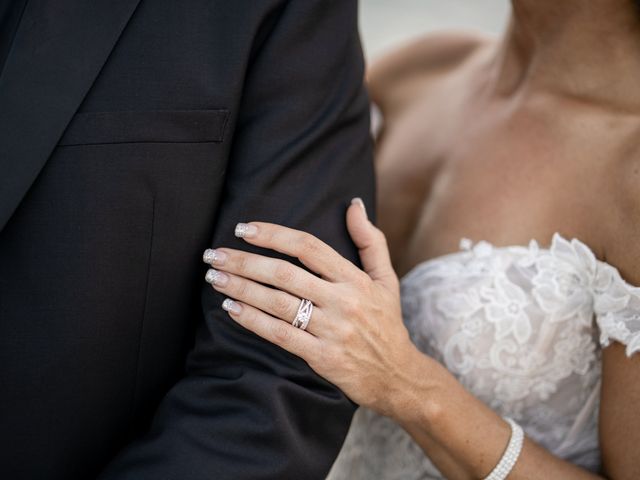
133	135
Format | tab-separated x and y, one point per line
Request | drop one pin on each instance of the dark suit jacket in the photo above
133	135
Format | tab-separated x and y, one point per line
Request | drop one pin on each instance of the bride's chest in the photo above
506	181
516	326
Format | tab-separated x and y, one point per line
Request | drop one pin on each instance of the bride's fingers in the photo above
312	252
280	333
270	271
276	303
372	245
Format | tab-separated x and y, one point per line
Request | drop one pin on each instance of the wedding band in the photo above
304	314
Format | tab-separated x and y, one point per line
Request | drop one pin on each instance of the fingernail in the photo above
358	201
231	306
214	277
246	230
212	257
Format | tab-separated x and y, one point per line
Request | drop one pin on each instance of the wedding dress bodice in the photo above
522	329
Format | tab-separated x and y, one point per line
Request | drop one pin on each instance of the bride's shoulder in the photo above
402	73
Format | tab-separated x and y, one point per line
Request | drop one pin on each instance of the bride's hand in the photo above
355	338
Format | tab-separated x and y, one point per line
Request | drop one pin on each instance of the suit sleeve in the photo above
246	409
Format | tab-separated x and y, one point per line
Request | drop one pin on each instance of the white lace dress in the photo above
522	329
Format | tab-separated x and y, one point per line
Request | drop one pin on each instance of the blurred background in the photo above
385	23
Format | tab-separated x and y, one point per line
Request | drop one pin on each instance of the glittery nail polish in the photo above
214	277
246	230
214	257
358	201
231	306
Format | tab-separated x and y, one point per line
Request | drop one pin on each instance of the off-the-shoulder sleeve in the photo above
617	309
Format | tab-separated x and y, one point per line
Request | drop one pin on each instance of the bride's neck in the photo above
584	49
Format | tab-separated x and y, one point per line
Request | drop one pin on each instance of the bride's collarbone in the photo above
502	213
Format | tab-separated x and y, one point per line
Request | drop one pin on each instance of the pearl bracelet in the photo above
510	455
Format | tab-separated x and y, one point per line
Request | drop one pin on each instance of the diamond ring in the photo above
304	314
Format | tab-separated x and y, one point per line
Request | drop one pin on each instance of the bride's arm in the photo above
473	434
357	341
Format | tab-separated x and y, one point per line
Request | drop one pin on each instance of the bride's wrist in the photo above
414	395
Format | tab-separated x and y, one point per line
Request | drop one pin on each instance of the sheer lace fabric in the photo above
522	329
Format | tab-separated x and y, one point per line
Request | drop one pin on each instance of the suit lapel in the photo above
59	48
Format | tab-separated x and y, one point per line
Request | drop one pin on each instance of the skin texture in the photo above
502	140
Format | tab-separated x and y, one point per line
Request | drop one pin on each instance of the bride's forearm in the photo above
461	435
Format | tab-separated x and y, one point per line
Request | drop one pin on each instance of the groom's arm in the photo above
246	409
